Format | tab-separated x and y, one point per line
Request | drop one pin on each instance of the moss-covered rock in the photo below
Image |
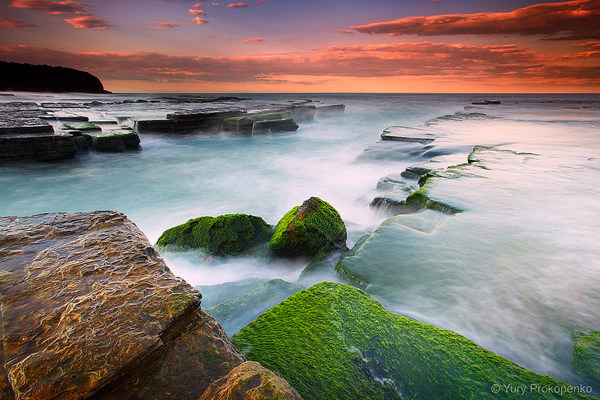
333	341
306	230
115	139
225	235
586	355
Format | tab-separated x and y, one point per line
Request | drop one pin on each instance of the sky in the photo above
270	46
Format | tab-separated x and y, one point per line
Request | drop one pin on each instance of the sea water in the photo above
515	275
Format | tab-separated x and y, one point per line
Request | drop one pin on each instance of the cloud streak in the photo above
238	5
88	22
14	23
424	60
51	7
570	20
255	39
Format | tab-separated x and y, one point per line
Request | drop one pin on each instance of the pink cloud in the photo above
569	20
88	22
52	7
195	11
255	39
238	5
344	31
200	21
165	25
14	23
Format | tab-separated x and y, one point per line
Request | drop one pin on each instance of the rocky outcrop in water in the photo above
26	134
225	235
314	227
44	78
90	310
334	341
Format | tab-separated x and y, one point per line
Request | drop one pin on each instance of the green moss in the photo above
229	234
333	341
313	227
586	355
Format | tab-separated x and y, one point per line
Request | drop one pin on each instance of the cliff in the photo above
44	78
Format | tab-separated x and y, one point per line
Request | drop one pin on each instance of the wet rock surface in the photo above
90	310
333	341
408	134
586	355
313	228
250	380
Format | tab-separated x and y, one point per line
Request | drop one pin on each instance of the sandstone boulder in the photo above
90	310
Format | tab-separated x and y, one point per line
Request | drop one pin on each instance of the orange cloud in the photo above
88	22
344	31
569	20
52	7
255	39
238	5
425	61
195	11
165	25
14	23
200	21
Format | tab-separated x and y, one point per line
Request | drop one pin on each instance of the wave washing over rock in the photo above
471	214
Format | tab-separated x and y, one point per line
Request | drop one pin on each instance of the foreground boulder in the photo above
90	310
333	341
225	235
586	355
250	381
314	227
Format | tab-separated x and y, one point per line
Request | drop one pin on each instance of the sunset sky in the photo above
312	45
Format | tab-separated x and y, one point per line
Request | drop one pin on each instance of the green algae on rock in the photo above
333	341
586	355
306	230
225	235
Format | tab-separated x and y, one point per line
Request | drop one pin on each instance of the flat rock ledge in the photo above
89	310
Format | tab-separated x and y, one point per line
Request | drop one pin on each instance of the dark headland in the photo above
45	78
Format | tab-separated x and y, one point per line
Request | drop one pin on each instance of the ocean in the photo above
516	272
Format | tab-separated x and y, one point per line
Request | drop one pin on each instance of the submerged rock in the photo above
306	230
236	312
408	134
330	111
250	381
334	341
90	310
391	182
586	355
225	235
414	172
